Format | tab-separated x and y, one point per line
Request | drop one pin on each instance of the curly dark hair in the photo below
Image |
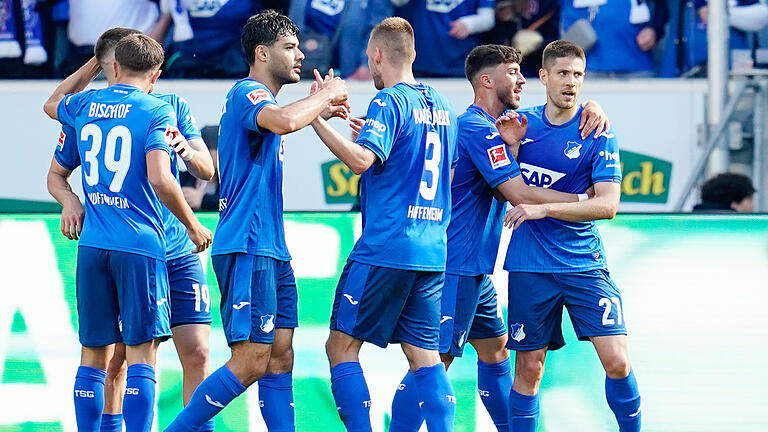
484	56
265	28
727	188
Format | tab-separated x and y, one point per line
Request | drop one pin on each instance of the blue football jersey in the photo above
66	150
556	157
476	216
115	128
177	242
437	52
251	177
405	196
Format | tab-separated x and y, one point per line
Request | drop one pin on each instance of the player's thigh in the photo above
419	323
190	298
98	311
287	299
142	286
594	304
458	301
191	341
369	301
248	286
614	354
535	311
487	323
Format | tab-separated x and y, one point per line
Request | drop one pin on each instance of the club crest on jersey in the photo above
62	137
516	331
498	156
258	95
572	149
267	323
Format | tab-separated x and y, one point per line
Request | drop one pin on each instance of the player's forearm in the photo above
298	114
537	195
352	154
169	191
61	191
74	83
592	209
201	163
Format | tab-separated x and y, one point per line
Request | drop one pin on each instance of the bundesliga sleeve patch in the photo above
258	95
498	156
62	137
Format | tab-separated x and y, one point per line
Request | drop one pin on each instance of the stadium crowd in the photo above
622	38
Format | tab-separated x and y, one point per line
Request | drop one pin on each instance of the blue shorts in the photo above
469	311
258	295
121	297
190	299
536	303
384	305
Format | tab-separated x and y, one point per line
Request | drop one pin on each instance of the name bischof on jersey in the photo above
97	198
425	213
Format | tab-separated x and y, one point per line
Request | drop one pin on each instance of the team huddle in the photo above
434	190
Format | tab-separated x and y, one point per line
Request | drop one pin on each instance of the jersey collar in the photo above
564	125
482	112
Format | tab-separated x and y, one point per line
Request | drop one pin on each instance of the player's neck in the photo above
394	76
267	79
490	104
138	82
557	116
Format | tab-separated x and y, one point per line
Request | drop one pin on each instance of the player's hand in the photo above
340	111
357	126
593	119
72	216
512	127
178	143
200	236
646	39
333	85
523	212
459	30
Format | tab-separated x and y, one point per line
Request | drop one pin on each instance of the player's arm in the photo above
603	205
196	157
72	212
292	117
357	157
517	192
74	83
169	191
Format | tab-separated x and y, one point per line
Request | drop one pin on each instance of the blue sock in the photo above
523	412
439	401
208	426
139	401
276	402
624	400
406	411
210	397
494	382
89	398
112	422
352	398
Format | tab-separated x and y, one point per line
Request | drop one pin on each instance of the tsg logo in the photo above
85	394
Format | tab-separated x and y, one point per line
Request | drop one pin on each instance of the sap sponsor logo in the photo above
267	323
380	102
258	95
498	156
572	149
541	177
213	402
445	318
222	204
375	127
85	393
483	393
516	331
351	300
240	305
133	391
492	135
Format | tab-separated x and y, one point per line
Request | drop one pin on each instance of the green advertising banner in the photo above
693	292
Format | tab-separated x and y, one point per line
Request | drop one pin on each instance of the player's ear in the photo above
261	53
543	76
485	80
115	67
155	76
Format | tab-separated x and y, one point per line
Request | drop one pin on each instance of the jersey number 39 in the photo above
119	166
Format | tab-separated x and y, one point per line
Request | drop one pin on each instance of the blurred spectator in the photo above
88	19
334	33
528	25
617	35
203	195
446	31
25	38
214	48
728	192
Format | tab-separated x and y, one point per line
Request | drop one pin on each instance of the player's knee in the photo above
617	367
341	348
249	361
194	358
530	369
116	369
281	360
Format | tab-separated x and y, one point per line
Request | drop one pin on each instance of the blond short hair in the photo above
395	37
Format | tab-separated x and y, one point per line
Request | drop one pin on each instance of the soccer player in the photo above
389	290
556	258
122	285
252	264
485	177
190	308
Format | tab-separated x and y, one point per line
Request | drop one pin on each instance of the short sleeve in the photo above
67	109
186	121
381	127
248	101
158	136
606	166
66	149
455	143
490	156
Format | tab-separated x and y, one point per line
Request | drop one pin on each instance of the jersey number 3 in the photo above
431	165
119	166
